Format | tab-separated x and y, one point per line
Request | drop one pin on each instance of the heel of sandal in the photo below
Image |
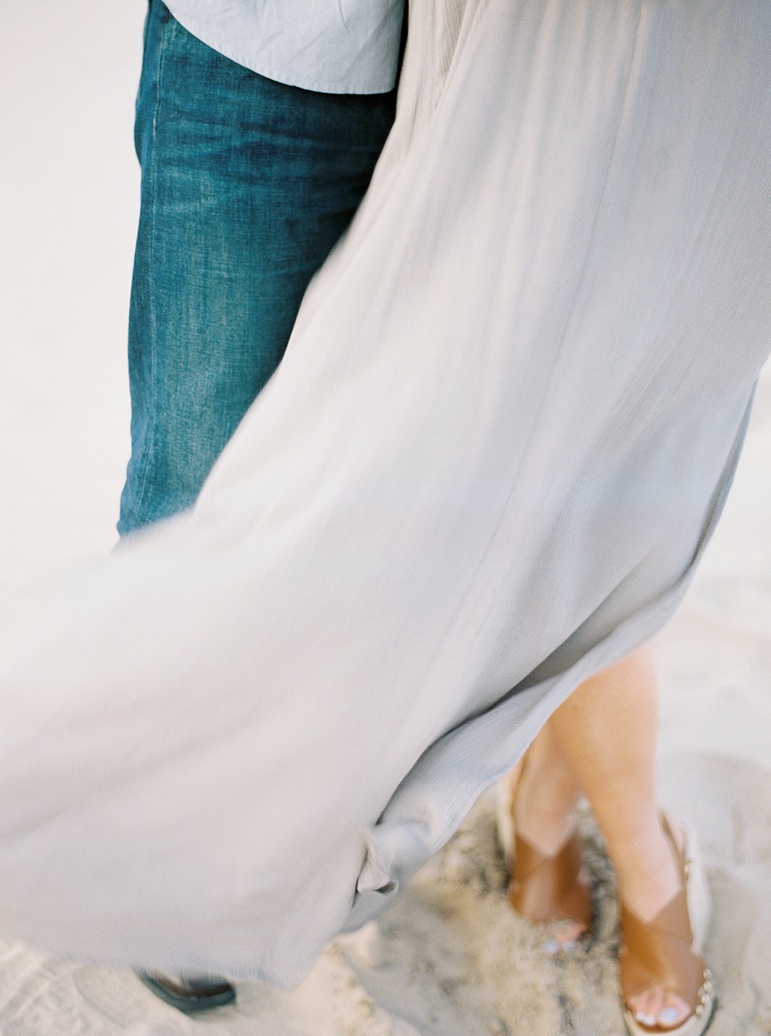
697	887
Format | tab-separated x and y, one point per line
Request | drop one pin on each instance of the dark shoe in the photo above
190	994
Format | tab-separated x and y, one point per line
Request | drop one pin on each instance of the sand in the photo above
449	957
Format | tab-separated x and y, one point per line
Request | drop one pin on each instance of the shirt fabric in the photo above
331	46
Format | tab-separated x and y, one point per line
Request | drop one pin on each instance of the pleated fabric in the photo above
501	436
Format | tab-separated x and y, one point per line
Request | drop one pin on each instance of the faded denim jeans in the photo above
246	186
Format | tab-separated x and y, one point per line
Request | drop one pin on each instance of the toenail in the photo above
669	1015
645	1019
569	944
551	946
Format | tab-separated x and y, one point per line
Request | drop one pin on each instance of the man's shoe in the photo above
190	994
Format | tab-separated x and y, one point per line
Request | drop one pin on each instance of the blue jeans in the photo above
246	186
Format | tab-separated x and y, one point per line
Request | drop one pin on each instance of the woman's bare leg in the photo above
607	731
603	740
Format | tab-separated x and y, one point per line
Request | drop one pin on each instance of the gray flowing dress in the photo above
502	433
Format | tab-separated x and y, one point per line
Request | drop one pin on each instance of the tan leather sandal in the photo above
664	951
546	890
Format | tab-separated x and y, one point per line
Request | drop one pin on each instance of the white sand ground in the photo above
449	959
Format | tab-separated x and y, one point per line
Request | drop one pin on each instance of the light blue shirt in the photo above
333	46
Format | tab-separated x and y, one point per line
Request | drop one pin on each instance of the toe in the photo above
657	1009
569	933
645	1007
673	1012
563	936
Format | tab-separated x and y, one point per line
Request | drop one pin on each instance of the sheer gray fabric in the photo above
501	435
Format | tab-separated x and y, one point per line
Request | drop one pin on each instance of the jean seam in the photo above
165	28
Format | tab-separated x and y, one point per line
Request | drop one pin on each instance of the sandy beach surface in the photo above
449	958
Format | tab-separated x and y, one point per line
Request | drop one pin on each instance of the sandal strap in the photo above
660	953
549	888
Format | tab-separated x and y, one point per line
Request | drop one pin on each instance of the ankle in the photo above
544	796
545	825
648	875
